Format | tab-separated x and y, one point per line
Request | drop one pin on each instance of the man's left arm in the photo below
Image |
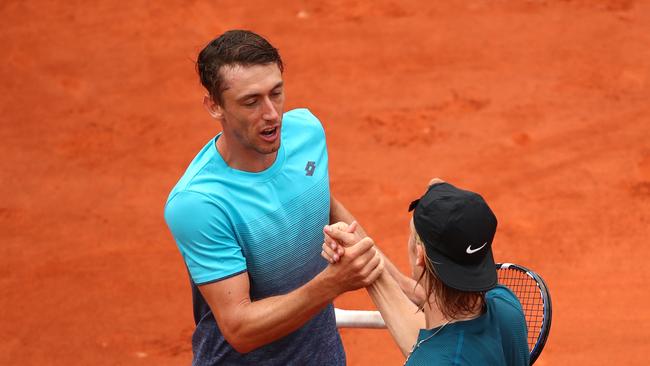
338	213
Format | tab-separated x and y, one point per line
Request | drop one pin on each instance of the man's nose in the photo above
269	113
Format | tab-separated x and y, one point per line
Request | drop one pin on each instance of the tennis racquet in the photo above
527	285
535	299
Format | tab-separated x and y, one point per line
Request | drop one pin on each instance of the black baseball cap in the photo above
457	228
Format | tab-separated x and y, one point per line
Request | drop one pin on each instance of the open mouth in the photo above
269	133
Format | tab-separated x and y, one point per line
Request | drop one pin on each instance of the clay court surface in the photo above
542	106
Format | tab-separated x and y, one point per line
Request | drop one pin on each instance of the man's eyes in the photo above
252	102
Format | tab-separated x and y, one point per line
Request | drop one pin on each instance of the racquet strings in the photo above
529	294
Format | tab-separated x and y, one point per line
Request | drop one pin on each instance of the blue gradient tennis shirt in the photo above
227	221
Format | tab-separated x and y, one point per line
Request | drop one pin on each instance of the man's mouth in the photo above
270	133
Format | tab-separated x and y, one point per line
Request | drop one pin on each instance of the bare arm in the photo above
338	213
400	314
408	285
333	252
247	324
402	317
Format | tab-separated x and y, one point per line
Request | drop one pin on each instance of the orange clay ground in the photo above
542	106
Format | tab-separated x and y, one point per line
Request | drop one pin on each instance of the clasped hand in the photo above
352	257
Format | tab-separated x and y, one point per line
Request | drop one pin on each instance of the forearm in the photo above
338	213
409	286
264	321
400	314
402	317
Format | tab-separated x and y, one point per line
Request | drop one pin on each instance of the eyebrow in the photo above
250	95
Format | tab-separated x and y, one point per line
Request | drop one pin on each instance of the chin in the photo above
268	149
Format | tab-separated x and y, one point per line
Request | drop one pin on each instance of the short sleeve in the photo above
505	295
512	324
305	118
204	237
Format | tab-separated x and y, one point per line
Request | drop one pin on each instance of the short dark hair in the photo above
234	47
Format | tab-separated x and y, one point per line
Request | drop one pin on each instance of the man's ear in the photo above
213	108
419	256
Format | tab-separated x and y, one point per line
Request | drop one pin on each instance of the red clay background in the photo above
542	106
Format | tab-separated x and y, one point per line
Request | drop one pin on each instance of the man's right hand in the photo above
359	267
332	249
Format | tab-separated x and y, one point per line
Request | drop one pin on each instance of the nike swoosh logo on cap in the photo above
472	251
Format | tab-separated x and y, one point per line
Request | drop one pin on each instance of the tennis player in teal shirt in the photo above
468	318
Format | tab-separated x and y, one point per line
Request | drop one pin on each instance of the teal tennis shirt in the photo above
268	224
496	338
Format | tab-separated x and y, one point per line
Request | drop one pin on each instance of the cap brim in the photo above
414	204
476	278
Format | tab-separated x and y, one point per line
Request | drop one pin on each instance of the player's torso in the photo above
278	224
277	215
486	340
458	346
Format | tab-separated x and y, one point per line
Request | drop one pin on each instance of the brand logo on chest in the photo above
309	169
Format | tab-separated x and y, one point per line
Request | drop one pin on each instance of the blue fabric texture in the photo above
269	224
496	338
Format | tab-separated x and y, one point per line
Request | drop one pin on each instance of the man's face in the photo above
252	106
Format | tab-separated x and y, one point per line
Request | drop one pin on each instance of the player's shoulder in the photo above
187	211
206	174
300	127
501	292
503	298
302	117
187	203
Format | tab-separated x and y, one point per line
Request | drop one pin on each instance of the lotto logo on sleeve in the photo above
311	166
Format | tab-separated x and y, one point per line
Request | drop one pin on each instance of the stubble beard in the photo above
265	150
262	147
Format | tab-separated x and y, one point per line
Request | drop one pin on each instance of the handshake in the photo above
354	260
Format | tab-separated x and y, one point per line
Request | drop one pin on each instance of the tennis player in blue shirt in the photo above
247	216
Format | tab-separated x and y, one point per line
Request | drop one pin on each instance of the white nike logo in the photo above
472	251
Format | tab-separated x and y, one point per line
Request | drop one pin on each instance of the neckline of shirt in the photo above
264	175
